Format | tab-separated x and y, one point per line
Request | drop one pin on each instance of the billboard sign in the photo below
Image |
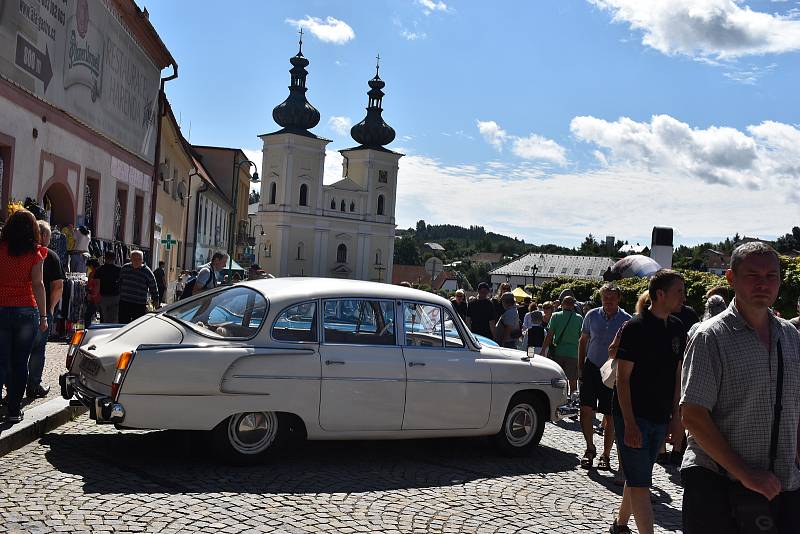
77	56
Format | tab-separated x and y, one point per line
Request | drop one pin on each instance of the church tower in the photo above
374	167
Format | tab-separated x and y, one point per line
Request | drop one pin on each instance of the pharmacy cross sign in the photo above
168	242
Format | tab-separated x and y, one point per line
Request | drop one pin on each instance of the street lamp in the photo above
234	227
255	243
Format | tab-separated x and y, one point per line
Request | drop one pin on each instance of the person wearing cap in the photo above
564	331
507	328
459	302
481	316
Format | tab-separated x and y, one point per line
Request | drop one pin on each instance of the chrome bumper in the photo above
101	407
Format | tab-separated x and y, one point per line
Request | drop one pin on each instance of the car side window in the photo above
423	324
359	322
296	323
452	338
236	312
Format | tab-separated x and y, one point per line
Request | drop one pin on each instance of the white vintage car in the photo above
259	362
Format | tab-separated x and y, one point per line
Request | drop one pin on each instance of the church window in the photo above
380	204
268	249
273	192
352	206
383	177
333	203
341	253
300	248
304	195
341	206
378	257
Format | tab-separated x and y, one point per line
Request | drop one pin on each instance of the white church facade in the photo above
345	229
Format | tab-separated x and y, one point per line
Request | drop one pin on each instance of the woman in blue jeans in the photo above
22	304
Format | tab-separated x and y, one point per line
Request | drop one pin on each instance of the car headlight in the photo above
558	383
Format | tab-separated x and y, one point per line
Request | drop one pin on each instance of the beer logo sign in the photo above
82	17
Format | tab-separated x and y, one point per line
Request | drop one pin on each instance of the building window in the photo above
273	192
578	270
268	249
383	177
378	257
552	270
182	192
138	213
120	214
304	195
564	270
588	272
380	204
333	203
352	206
341	206
341	253
300	250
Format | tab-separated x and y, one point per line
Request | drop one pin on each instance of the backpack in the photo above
188	289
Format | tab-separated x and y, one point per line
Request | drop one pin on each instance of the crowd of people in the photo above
723	390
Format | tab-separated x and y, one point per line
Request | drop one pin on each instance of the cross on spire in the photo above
377	64
301	41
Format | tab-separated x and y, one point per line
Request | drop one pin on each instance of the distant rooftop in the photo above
553	265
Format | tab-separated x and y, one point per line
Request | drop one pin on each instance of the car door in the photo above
363	371
447	387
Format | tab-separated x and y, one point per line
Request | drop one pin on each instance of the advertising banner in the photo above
76	55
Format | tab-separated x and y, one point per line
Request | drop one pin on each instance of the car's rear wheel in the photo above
249	437
523	425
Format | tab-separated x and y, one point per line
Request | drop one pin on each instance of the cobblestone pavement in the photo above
88	478
54	356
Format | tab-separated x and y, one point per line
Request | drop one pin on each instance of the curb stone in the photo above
38	421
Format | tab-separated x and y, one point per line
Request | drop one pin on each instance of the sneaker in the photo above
38	392
14	418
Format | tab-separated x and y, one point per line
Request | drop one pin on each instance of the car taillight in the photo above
123	364
74	342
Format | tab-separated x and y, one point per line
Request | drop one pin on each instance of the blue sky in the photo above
545	120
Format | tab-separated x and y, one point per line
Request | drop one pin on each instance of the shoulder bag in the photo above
564	331
750	509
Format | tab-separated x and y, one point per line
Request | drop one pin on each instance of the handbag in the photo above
608	373
751	510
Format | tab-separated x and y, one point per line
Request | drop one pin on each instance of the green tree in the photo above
406	252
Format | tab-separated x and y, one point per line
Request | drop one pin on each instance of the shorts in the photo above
569	365
594	393
638	463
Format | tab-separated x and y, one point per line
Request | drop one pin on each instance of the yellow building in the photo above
172	200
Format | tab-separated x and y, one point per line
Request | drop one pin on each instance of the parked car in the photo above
259	362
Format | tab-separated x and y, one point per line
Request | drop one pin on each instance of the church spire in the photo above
373	132
296	114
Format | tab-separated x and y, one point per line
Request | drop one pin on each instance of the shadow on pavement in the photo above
171	461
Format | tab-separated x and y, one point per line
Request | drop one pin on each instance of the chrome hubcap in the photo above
252	432
520	425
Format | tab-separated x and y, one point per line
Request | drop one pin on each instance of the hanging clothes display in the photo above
58	243
73	301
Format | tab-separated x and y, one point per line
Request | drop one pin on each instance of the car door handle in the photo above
415	364
334	362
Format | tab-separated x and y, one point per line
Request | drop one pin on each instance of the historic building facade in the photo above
345	229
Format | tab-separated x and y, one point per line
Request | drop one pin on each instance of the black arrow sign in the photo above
34	61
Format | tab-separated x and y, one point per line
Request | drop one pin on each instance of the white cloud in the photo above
491	195
330	30
429	6
413	36
493	134
532	147
339	124
537	147
714	28
765	155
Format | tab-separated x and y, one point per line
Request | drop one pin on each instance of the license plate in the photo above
90	365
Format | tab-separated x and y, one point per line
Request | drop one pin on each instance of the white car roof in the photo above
294	289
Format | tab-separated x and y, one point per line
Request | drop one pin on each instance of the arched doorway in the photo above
58	201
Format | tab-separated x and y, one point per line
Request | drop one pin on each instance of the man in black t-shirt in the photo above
53	278
481	316
108	274
646	396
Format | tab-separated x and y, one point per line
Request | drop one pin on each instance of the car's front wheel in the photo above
523	425
249	437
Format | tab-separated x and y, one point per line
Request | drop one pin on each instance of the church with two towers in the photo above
344	229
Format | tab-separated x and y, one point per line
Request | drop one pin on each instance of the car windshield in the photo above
235	312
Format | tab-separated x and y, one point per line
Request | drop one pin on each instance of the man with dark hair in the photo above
740	401
208	276
645	404
161	282
600	325
480	313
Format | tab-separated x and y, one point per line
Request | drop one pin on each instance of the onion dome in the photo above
373	132
296	114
